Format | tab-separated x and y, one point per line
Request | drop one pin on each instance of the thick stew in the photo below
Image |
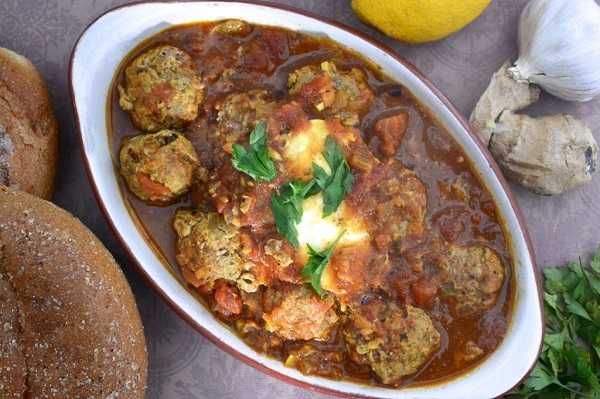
314	206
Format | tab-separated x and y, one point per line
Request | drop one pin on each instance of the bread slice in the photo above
70	325
28	129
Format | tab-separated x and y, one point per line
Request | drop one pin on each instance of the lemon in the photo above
419	21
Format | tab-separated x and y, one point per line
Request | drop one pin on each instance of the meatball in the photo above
208	249
299	314
472	276
279	258
158	167
239	113
395	342
232	27
162	90
230	192
341	94
242	202
407	204
397	200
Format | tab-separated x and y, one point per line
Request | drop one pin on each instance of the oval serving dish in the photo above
114	35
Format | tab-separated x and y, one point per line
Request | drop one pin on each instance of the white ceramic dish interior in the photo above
94	61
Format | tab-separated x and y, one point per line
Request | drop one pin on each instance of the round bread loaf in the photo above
69	326
28	129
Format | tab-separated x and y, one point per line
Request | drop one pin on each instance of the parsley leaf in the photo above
581	361
255	161
317	262
569	365
336	185
539	378
555	361
286	205
287	208
575	307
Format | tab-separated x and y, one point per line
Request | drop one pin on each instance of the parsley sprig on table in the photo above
336	185
317	262
569	366
255	161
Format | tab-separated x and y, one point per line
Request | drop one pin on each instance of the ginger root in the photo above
548	155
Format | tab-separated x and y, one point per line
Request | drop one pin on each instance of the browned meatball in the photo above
397	200
341	94
395	342
279	257
236	116
472	276
299	314
162	90
232	27
158	167
240	112
230	192
208	249
407	204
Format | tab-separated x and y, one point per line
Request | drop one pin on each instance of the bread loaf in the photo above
28	129
69	323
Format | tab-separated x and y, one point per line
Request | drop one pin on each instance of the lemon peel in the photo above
419	21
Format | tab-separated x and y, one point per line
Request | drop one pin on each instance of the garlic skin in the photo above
559	48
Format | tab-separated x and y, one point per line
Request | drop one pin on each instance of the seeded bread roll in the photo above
28	129
69	323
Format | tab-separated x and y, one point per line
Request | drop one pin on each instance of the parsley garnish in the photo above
287	208
317	261
287	204
336	185
255	161
569	365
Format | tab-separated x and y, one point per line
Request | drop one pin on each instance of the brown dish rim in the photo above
389	51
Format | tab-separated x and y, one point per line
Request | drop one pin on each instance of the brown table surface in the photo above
183	364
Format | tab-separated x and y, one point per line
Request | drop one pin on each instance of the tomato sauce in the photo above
460	211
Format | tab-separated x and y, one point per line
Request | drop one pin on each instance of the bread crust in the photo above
28	128
69	312
13	371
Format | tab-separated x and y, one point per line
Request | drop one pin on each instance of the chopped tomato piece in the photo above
164	91
391	131
228	299
319	91
423	292
150	187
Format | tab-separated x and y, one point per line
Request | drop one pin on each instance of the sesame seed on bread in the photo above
70	326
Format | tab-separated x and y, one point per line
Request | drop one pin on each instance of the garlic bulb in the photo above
559	48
